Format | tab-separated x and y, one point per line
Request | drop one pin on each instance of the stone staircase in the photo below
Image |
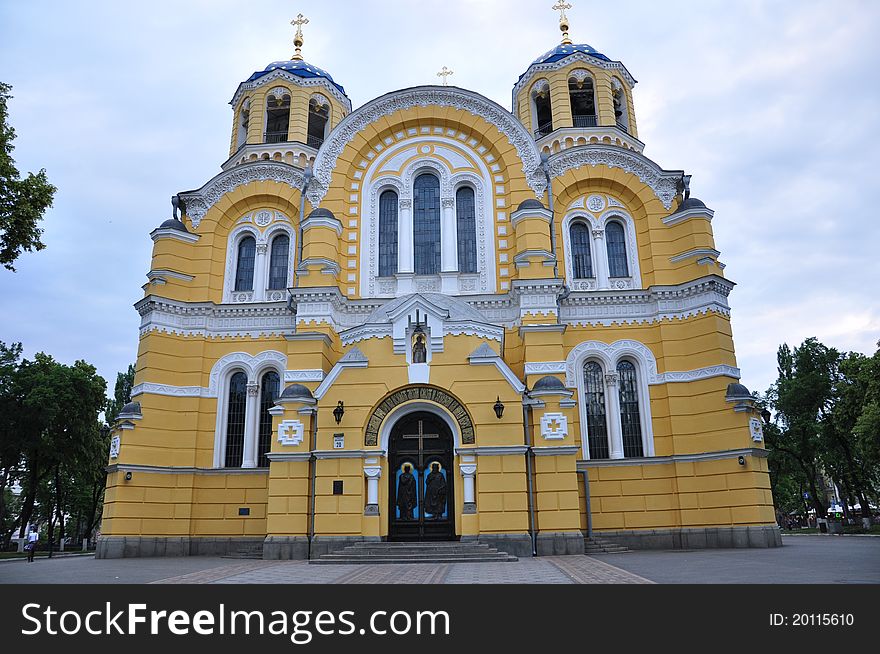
423	552
249	551
597	545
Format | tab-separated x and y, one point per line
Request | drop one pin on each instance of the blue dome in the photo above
296	67
565	49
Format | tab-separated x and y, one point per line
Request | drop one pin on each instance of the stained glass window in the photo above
244	270
630	422
268	394
597	426
426	224
467	230
616	242
581	259
387	234
235	420
278	262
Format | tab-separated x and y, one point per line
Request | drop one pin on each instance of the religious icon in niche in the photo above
406	493
419	351
435	493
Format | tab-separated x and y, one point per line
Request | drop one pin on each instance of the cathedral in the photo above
431	318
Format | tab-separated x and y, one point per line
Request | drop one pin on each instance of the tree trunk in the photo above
50	531
59	507
27	509
3	481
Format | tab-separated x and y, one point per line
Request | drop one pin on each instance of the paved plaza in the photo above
803	559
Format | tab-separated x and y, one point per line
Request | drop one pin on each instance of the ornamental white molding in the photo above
485	355
199	202
664	183
554	426
311	375
688	214
115	446
656	304
545	367
168	389
252	365
209	320
296	80
270	224
536	70
279	92
354	358
756	429
290	432
424	96
611	354
710	253
176	234
312	221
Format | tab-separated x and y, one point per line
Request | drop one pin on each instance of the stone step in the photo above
603	546
327	559
414	552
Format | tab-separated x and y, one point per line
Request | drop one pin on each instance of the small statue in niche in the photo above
419	351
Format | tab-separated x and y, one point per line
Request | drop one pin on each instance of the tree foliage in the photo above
22	201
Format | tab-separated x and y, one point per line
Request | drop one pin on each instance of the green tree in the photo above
10	442
802	398
121	394
22	201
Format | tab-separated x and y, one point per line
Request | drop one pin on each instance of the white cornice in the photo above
296	80
664	183
167	232
199	201
210	320
323	221
422	96
695	253
688	214
486	356
675	458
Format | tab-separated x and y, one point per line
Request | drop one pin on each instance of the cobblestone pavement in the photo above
545	570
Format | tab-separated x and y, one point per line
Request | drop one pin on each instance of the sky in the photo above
773	106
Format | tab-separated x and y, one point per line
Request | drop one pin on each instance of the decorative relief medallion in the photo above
756	429
290	432
428	393
595	203
554	426
115	444
263	218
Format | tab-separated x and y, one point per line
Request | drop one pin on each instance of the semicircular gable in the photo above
456	98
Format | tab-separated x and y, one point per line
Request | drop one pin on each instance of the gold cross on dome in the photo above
445	73
298	22
561	6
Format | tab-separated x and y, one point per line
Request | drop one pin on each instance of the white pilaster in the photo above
600	259
448	237
261	270
251	417
612	417
468	468
405	237
372	473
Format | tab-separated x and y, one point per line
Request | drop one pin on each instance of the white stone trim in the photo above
402	410
422	96
263	236
306	375
168	232
756	452
544	367
199	202
688	214
664	183
354	358
290	432
555	450
547	431
322	221
493	450
484	355
150	388
711	253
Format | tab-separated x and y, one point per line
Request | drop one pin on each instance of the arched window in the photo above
235	417
542	108
387	234
278	262
268	394
581	259
616	242
630	421
597	426
243	122
319	115
621	112
583	101
426	224
244	269
466	223
277	118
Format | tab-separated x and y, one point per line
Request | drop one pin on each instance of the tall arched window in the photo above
277	118
621	113
581	258
387	234
319	114
616	243
583	101
278	262
466	223
244	269
426	224
542	108
268	394
235	416
630	421
597	426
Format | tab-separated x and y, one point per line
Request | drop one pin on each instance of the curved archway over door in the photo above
420	465
414	394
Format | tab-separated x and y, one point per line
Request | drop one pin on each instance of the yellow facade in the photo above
416	290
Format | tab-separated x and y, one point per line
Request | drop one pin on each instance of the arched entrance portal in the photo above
421	483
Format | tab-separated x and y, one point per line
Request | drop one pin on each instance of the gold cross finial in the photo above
299	21
561	6
445	73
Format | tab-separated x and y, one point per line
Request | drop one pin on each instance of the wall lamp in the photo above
338	412
741	460
499	408
128	476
